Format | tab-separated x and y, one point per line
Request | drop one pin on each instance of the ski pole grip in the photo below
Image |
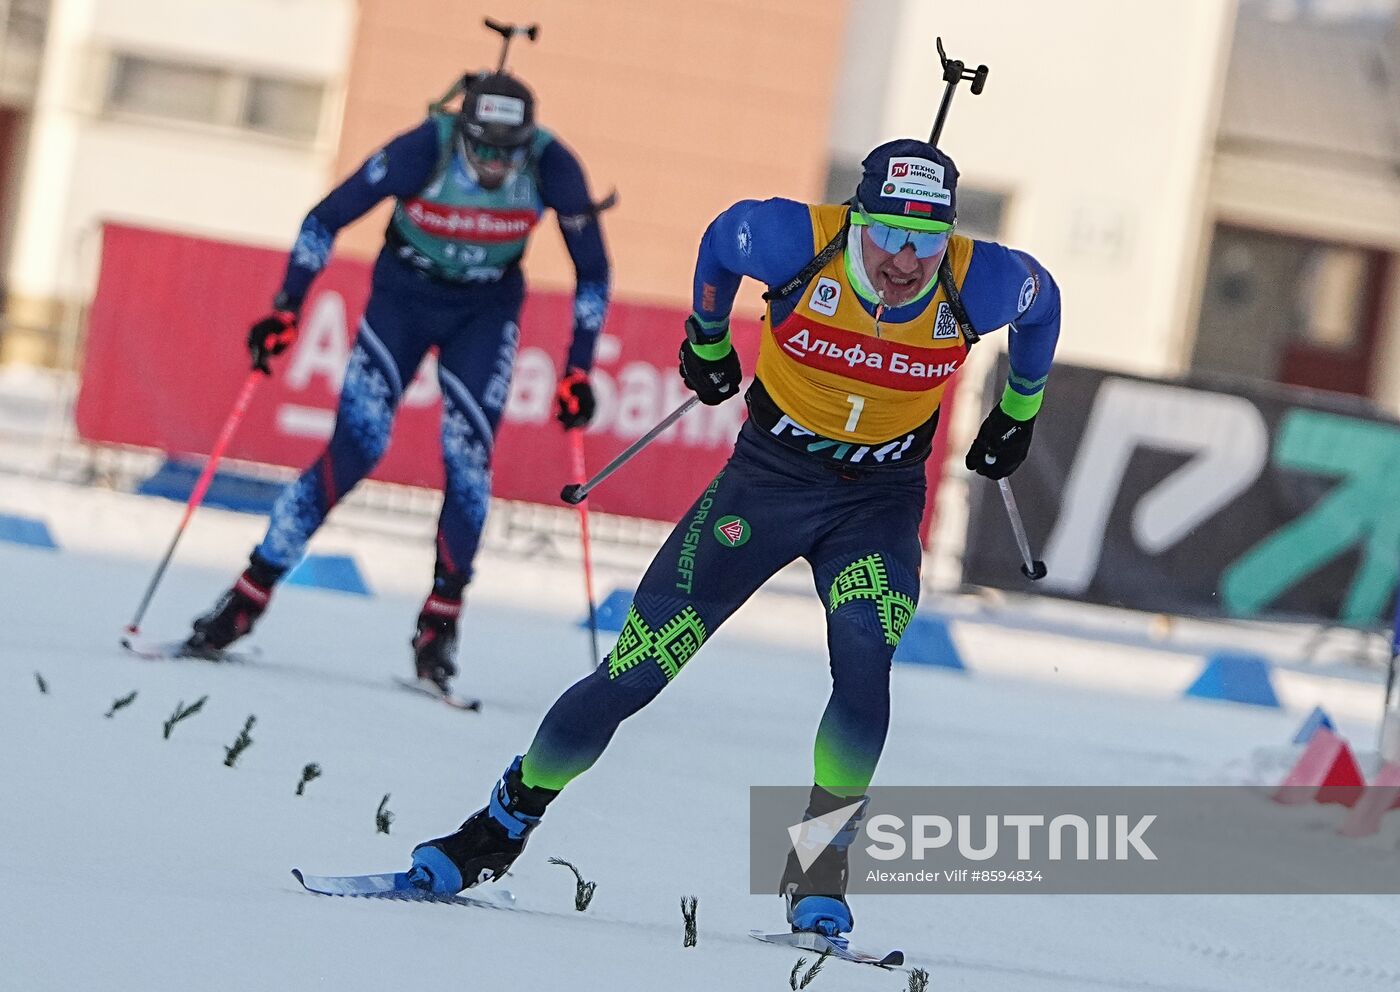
573	494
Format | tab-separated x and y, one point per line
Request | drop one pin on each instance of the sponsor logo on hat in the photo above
908	191
916	179
825	296
917	170
492	108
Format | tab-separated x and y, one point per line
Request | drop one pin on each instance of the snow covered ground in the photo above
134	863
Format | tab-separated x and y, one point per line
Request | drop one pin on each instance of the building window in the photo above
167	89
283	107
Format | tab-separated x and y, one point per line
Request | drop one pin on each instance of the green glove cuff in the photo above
713	351
1018	406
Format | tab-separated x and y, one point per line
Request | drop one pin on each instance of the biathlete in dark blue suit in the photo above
469	188
870	307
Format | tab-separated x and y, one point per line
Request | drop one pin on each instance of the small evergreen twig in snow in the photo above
120	704
183	712
382	816
583	892
43	686
241	743
918	980
308	773
812	972
688	906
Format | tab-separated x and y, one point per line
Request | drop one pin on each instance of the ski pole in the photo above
201	486
580	473
574	494
956	71
1031	568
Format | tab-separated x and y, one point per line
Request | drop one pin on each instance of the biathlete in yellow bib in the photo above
871	303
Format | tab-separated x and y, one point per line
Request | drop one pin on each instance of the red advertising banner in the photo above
165	357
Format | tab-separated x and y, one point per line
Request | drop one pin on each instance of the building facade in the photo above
1225	199
682	106
216	117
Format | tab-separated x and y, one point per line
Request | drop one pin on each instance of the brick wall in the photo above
684	105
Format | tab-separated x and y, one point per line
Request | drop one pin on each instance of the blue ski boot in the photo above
487	844
816	895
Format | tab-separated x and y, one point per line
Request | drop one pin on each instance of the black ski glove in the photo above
574	399
1001	445
275	333
711	370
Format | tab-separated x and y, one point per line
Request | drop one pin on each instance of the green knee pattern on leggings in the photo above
867	579
672	645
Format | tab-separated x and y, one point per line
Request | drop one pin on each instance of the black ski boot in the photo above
435	641
487	844
233	615
816	895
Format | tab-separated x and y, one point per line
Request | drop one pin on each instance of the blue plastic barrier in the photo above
926	641
1237	678
26	530
612	612
1316	720
336	572
227	490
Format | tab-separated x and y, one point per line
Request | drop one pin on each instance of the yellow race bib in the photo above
827	370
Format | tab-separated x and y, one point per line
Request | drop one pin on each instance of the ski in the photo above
175	650
425	687
837	947
396	886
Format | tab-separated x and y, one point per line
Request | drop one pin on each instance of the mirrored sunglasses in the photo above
926	244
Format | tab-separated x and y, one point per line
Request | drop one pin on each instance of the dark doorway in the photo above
1291	310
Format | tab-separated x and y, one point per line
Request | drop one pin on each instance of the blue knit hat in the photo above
909	183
